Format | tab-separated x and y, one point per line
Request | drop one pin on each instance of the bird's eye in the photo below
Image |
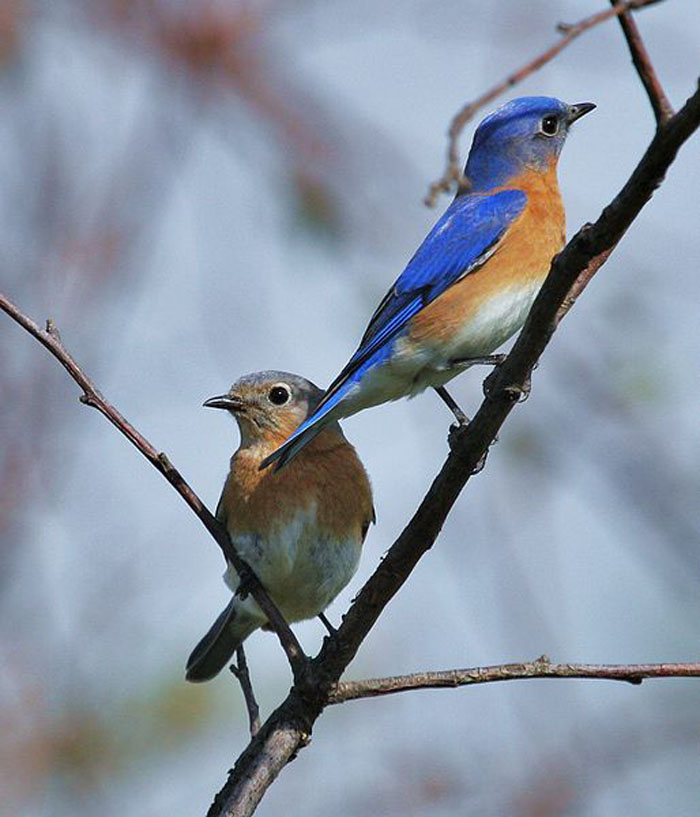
279	395
549	125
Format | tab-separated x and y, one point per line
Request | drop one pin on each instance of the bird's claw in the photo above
455	434
245	585
515	392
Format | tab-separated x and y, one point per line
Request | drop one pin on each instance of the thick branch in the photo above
662	108
541	668
51	340
453	170
289	727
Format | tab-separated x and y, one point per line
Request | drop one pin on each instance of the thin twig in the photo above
663	110
51	340
453	170
541	668
240	670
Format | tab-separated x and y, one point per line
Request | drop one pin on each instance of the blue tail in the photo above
308	429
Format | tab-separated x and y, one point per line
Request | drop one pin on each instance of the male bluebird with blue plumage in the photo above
300	530
471	284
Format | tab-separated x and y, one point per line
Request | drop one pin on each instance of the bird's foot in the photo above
516	392
247	581
455	435
486	360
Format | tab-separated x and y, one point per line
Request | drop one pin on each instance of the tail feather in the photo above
308	429
217	647
286	453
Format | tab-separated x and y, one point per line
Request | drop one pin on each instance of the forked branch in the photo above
658	100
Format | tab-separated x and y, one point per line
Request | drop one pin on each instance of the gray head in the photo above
268	406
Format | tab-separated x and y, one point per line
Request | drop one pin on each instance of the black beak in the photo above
224	401
578	110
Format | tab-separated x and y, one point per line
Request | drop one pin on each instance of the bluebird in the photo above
302	529
471	283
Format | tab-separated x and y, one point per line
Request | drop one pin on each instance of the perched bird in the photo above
471	283
300	530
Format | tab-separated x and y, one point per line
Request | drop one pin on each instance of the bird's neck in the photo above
490	174
257	448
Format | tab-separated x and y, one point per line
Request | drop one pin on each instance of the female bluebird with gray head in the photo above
300	530
472	281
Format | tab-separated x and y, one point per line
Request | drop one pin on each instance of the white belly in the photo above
414	367
302	568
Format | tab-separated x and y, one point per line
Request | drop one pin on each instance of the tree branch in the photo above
541	668
51	340
453	169
289	727
662	108
241	672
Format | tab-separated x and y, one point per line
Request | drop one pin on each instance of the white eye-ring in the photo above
549	125
279	394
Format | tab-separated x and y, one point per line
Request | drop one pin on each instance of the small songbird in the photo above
300	530
472	282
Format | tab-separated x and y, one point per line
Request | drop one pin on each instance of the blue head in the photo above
525	133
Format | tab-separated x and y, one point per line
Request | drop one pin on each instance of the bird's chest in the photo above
278	526
302	565
274	548
480	312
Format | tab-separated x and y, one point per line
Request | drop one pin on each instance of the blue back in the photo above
526	133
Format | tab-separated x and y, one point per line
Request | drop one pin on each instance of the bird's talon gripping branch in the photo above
518	393
455	434
515	392
454	437
247	581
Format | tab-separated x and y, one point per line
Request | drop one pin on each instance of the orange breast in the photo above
326	472
520	263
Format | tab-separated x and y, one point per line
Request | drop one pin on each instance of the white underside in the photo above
413	367
302	568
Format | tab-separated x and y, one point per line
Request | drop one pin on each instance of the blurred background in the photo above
196	190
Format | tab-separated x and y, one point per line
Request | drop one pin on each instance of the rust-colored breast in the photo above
327	473
520	263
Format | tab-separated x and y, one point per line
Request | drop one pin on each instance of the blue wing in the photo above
462	240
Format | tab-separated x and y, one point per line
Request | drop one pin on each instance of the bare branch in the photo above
240	670
662	108
541	668
453	170
51	340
